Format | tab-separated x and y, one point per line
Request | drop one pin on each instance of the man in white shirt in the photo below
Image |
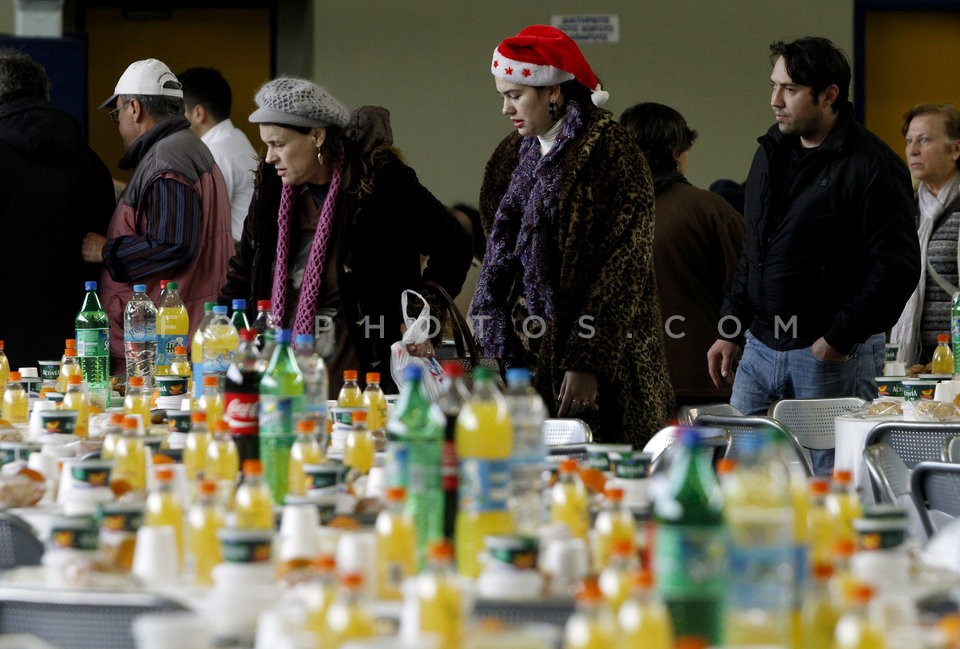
207	99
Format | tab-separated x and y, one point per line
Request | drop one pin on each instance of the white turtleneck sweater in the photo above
547	139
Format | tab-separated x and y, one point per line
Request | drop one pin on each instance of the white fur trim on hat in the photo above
526	74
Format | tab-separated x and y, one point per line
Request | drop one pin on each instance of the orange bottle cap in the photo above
75	379
589	590
69	351
13	376
614	494
373	377
117	418
306	426
131	422
726	466
180	350
941	338
819	486
349	375
643	578
70	342
325	563
221	426
440	551
135	381
207	487
568	465
211	379
621	548
163	473
395	494
252	467
198	416
843	476
352	580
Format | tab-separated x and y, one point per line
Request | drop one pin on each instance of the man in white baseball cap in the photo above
173	218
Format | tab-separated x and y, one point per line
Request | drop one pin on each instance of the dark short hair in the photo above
816	62
476	228
160	106
661	133
207	87
576	91
21	77
950	115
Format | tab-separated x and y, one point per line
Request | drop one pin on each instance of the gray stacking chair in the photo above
740	428
812	420
935	488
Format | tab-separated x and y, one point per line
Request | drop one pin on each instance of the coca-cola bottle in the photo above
242	396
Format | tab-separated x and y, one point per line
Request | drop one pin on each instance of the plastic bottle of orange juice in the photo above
358	449
222	464
568	500
305	450
111	436
173	326
441	603
643	617
375	402
195	446
203	520
130	456
855	630
137	400
16	402
317	595
484	440
253	505
615	579
350	395
843	504
76	399
396	545
614	522
212	400
349	616
69	366
592	625
164	507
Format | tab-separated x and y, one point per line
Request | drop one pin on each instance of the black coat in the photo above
385	220
53	190
835	252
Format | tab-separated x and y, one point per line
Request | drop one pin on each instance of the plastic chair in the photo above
566	431
951	450
77	619
935	488
812	420
890	480
665	439
19	543
740	428
689	414
913	441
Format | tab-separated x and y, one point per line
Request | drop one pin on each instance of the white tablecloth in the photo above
850	434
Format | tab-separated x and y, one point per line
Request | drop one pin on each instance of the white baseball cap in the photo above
147	77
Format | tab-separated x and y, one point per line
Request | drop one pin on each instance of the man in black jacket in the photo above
830	253
53	189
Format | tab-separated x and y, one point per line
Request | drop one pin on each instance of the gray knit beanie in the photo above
298	102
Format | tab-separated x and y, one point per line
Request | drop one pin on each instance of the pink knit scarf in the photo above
310	288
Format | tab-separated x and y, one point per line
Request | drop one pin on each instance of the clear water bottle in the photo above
527	412
220	342
93	343
264	322
315	380
140	335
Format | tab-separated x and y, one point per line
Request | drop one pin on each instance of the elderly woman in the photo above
337	226
696	245
567	285
932	135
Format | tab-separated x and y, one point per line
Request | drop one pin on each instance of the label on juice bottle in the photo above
484	485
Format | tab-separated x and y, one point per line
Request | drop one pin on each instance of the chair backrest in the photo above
914	442
951	449
744	427
566	431
935	487
890	480
689	414
812	420
19	543
658	446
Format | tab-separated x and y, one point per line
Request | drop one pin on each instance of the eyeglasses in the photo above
115	115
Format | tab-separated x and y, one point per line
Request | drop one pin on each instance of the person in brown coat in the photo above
696	245
567	286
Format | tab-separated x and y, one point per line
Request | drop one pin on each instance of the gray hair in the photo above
159	106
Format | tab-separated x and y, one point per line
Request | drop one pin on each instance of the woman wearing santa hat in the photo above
567	285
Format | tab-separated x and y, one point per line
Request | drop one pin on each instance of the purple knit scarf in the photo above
521	242
310	288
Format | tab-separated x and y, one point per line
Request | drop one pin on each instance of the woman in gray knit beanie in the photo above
336	228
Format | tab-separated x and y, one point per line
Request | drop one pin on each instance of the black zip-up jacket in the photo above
834	253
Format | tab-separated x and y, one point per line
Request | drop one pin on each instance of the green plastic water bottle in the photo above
690	557
93	342
281	400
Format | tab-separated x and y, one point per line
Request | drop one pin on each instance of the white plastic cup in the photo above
298	532
155	560
357	552
567	562
171	631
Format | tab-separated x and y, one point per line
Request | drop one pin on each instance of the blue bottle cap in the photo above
412	373
284	337
519	375
139	288
89	286
303	340
239	304
219	309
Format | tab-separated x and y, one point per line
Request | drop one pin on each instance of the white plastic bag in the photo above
418	331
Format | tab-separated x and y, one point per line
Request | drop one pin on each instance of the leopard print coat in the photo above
607	312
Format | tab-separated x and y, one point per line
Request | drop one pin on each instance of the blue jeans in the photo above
870	359
766	375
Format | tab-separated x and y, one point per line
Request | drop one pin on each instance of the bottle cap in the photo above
207	487
842	476
614	494
1	344
412	372
844	548
70	343
621	548
13	376
283	337
198	416
139	288
861	593
306	426
395	494
90	286
163	473
373	377
263	305
70	351
726	465
822	570
131	422
518	375
172	286
75	379
352	580
568	465
325	563
208	307
643	579
943	338
252	466
220	426
452	369
350	375
211	379
440	551
163	284
247	334
220	310
134	382
819	486
589	590
180	350
238	304
116	418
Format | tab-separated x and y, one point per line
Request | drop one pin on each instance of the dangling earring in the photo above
554	111
319	157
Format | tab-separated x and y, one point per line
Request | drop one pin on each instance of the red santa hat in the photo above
541	55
